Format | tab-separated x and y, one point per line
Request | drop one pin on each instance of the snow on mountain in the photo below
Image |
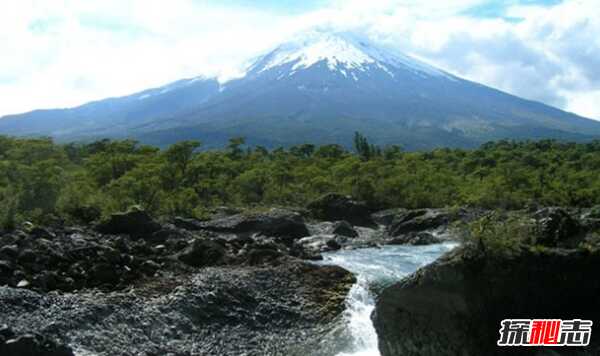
344	52
319	87
170	87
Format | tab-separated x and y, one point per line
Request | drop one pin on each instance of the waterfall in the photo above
360	303
375	267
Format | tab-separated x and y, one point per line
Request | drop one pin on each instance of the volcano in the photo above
320	87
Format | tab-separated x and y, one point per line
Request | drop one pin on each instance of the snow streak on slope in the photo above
170	87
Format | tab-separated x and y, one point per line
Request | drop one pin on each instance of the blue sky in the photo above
491	8
283	6
61	53
497	8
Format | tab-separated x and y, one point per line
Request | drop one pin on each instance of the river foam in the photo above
375	268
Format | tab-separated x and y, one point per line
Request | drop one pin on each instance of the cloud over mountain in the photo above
73	52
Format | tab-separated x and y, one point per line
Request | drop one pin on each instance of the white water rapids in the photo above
375	267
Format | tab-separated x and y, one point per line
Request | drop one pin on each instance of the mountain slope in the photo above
109	116
319	87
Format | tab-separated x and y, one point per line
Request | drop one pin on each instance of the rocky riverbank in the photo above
455	305
244	282
132	285
237	283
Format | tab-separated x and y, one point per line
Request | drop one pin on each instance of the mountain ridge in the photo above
319	87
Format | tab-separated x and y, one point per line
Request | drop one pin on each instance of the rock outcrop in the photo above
283	224
203	252
244	310
418	220
310	247
333	207
386	217
133	285
343	228
12	344
420	238
135	222
128	247
455	305
556	226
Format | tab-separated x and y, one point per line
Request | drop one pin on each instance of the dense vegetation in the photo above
40	179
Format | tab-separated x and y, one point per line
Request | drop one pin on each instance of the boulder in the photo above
23	284
47	280
6	272
310	247
135	222
386	217
150	267
163	235
203	252
455	305
258	256
187	223
556	227
284	224
42	233
27	256
6	333
418	220
9	251
103	273
333	207
319	243
343	228
33	345
421	238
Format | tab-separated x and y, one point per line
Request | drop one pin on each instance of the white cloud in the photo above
552	54
63	53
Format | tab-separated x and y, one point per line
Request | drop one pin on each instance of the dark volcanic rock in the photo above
203	252
6	333
310	247
418	220
103	273
134	222
6	270
343	228
260	255
187	223
556	227
386	217
76	258
287	225
42	233
334	207
30	345
421	238
9	251
455	305
264	310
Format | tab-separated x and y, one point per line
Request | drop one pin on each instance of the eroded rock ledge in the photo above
455	305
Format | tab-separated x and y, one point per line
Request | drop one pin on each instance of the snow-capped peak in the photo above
340	51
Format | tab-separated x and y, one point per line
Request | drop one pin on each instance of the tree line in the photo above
42	180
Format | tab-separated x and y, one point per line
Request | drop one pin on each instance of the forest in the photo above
42	181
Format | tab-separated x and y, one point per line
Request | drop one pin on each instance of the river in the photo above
375	268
